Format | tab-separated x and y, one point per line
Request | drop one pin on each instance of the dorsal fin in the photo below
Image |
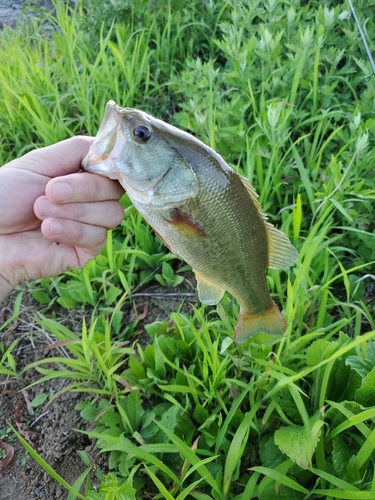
282	253
253	195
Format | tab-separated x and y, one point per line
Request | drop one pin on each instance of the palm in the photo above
21	238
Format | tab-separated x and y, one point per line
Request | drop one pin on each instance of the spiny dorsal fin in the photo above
282	253
253	195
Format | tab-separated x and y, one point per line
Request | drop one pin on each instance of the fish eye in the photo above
142	133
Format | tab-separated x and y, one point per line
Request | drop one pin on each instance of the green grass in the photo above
277	88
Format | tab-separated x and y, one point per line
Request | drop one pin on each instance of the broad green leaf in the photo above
112	295
320	350
66	302
361	365
148	426
39	399
167	270
113	459
293	442
41	297
169	418
201	414
340	455
177	280
110	418
132	407
136	368
89	413
270	454
365	395
353	474
299	443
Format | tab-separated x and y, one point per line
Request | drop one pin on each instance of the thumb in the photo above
62	158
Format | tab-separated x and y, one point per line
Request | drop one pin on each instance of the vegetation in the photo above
278	89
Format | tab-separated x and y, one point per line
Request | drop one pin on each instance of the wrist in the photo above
5	288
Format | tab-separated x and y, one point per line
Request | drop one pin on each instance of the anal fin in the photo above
208	292
269	322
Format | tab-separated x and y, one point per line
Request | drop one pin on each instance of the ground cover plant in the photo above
279	89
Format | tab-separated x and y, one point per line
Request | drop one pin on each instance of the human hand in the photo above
53	216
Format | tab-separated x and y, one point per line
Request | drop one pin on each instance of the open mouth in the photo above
103	153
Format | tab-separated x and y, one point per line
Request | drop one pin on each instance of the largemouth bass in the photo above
200	207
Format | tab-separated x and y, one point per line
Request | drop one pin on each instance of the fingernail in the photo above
56	228
47	208
61	191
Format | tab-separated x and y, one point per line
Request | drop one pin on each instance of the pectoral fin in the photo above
208	292
186	226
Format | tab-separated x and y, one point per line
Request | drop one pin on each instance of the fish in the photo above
201	208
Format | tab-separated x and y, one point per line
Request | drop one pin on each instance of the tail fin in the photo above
269	322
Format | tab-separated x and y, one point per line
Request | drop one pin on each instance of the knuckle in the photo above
102	236
118	215
112	214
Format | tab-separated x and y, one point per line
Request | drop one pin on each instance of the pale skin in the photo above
53	216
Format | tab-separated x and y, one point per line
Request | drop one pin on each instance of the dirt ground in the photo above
48	430
51	430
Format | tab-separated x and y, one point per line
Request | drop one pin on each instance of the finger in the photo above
83	187
108	214
62	158
76	234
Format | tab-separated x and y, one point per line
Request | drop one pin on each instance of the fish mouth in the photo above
101	157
